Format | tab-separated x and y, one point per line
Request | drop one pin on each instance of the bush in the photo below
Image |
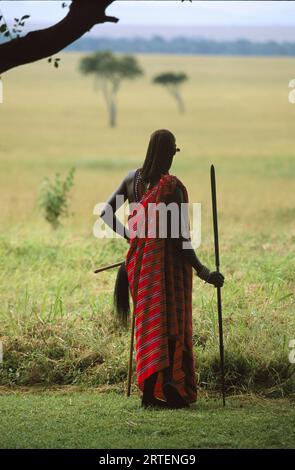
53	199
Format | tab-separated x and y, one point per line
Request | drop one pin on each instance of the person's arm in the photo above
108	213
189	253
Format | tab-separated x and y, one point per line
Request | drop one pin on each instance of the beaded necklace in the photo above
136	185
139	180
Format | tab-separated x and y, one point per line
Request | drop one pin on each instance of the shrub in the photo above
53	199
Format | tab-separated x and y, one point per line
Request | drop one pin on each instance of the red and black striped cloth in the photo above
160	283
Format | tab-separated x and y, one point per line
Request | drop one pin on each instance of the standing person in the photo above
158	273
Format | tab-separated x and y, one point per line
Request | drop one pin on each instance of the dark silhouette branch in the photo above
39	44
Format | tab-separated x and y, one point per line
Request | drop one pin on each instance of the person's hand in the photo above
216	278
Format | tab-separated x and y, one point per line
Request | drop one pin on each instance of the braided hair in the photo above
158	160
159	155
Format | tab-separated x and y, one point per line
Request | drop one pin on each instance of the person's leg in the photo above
168	372
174	399
148	398
149	383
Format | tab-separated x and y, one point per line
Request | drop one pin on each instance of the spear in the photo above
215	228
104	268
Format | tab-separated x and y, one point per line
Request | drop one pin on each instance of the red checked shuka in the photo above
160	283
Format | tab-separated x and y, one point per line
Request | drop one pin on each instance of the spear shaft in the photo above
104	268
216	244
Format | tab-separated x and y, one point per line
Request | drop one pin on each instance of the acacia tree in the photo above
109	71
39	44
172	82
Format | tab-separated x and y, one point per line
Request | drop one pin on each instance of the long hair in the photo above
121	295
159	155
158	160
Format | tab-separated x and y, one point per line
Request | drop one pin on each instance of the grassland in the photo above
65	419
56	317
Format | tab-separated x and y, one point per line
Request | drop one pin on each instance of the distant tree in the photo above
172	82
109	71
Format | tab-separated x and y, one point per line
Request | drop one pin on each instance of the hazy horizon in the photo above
219	20
259	33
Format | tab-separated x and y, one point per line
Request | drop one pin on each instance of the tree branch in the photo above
39	44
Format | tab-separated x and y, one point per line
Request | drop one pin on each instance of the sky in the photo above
167	12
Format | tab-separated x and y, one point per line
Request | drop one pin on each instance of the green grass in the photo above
110	420
60	327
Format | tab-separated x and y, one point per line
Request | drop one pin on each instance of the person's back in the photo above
165	365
